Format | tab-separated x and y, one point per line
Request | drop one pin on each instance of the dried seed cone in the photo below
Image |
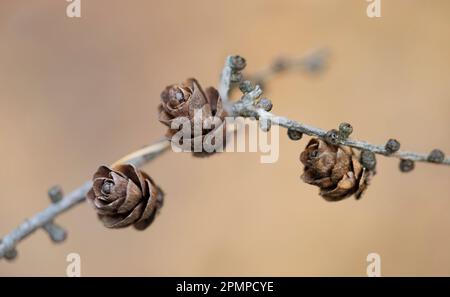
124	196
180	103
335	169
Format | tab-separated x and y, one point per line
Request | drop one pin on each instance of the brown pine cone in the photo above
124	196
335	169
179	103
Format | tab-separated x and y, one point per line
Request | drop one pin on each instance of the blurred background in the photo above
76	93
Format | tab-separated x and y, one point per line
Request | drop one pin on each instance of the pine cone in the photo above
335	169
179	103
124	196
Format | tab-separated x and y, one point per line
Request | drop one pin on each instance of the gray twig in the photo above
225	80
44	219
312	62
247	107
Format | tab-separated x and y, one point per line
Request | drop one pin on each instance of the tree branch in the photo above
251	110
43	218
313	62
250	105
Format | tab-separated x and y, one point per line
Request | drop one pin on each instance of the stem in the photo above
143	156
225	81
246	108
312	62
39	220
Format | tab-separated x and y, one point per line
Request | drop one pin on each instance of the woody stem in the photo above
249	110
39	220
244	107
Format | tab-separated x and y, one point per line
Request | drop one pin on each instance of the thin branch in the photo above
246	108
313	62
225	80
41	219
141	157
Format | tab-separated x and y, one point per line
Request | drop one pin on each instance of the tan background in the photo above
77	93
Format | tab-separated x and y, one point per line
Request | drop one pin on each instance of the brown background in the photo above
77	93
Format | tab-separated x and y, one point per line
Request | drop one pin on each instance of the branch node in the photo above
10	254
237	63
332	137
294	134
55	193
406	165
265	124
392	146
265	104
57	234
436	156
345	129
368	160
246	86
